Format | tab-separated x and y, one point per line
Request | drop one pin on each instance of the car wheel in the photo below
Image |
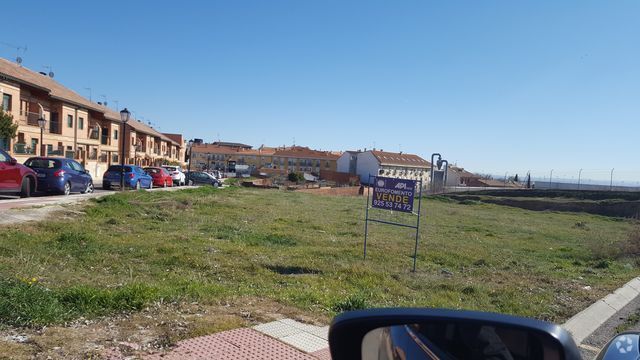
67	188
138	187
25	191
89	188
150	185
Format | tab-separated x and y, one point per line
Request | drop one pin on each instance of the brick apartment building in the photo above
75	127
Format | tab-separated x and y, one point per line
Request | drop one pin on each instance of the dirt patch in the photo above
152	330
338	191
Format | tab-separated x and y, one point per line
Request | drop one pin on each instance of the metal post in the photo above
550	176
189	165
432	185
579	178
611	183
41	141
124	133
366	220
415	250
505	179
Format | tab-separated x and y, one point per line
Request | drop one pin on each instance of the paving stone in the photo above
306	342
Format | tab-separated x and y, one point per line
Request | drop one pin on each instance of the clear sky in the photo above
496	86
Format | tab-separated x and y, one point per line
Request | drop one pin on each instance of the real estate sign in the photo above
393	194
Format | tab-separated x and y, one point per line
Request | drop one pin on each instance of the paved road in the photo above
40	199
624	320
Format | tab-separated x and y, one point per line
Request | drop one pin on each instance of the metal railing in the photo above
93	155
23	149
58	151
103	158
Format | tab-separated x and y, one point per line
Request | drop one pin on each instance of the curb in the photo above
587	321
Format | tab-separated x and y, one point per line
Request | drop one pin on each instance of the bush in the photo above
295	177
352	302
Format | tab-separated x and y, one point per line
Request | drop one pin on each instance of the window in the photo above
70	121
3	157
115	134
81	123
6	102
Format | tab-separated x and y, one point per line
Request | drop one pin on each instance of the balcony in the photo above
103	157
54	127
69	154
56	152
94	134
23	149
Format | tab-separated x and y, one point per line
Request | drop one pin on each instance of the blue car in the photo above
60	175
134	178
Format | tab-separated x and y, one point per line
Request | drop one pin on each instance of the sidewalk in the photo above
284	339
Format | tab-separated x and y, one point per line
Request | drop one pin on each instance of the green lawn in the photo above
302	250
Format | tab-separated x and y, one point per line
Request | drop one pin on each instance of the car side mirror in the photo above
13	161
446	334
623	345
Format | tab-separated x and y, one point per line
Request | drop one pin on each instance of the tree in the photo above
515	178
295	177
8	129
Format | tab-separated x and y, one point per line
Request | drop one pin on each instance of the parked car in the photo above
176	174
60	175
134	177
16	178
160	176
202	178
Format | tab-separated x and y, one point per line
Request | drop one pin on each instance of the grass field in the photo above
126	251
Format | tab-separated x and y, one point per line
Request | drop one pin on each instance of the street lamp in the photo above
611	183
42	122
124	116
190	148
579	178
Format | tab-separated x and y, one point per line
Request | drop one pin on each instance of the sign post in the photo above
393	194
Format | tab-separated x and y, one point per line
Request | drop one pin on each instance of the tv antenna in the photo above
104	100
90	93
19	49
48	67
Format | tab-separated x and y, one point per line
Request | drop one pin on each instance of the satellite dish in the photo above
19	60
51	74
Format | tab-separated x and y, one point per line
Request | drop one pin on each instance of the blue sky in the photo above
496	86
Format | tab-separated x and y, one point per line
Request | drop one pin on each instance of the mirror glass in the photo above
458	340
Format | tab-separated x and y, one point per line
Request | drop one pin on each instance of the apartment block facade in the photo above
75	127
268	160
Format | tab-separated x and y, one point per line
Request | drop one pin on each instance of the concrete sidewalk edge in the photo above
587	321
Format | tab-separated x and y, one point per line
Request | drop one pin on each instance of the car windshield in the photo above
231	172
118	168
43	163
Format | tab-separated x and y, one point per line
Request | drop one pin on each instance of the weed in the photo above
350	303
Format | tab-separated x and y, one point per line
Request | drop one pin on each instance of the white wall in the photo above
367	165
343	162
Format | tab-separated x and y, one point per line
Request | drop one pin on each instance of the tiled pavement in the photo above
278	340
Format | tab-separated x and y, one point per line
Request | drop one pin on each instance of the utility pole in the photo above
611	183
579	176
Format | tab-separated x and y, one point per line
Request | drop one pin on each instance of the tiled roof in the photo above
220	149
400	159
56	90
463	173
305	153
232	144
44	82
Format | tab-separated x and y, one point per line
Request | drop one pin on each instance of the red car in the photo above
160	176
16	178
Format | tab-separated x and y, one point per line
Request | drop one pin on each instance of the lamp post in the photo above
124	116
579	178
611	183
433	156
190	148
42	122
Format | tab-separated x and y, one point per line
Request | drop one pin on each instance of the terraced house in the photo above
74	126
268	160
